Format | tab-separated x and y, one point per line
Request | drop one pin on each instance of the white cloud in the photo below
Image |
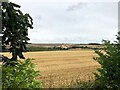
71	21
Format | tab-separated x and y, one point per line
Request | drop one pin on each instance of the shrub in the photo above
22	75
109	59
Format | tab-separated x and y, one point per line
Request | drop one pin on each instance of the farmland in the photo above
59	68
56	47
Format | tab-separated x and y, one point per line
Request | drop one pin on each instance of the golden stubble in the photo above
59	68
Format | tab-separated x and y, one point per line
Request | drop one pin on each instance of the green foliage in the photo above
22	75
109	59
15	73
15	26
32	48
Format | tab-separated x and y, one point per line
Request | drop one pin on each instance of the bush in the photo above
109	59
107	77
21	75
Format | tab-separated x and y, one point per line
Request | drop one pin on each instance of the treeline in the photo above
86	47
34	48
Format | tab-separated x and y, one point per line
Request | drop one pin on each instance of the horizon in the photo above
65	43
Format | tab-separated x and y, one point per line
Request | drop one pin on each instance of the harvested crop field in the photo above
59	68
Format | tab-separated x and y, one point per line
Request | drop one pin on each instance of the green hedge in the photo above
20	75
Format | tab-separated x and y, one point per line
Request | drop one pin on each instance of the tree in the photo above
15	26
16	74
109	59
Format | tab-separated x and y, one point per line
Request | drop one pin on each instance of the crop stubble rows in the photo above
58	68
63	66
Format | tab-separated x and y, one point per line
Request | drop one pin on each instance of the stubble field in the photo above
59	68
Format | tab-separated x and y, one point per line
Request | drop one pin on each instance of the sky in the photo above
71	22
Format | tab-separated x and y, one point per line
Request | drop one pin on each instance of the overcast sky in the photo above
71	22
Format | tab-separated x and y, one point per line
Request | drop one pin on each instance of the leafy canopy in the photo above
16	74
15	26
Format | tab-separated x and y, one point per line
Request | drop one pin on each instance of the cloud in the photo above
71	22
76	6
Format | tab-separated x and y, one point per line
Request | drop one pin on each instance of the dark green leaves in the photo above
15	27
109	59
16	74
